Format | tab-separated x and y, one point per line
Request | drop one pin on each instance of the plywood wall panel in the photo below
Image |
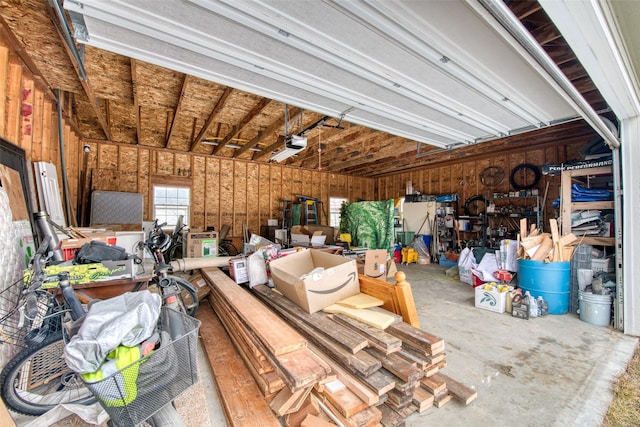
14	101
276	187
165	163
264	195
227	195
197	217
4	74
144	179
108	157
212	193
240	197
306	187
291	183
182	165
26	113
253	196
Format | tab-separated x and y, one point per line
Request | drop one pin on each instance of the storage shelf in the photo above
591	205
568	206
597	241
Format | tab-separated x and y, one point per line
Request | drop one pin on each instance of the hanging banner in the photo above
557	168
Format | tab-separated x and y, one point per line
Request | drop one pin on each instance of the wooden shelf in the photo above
591	205
597	241
567	206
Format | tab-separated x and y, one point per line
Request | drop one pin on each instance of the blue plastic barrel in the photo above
551	280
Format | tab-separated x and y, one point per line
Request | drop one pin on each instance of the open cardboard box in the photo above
314	279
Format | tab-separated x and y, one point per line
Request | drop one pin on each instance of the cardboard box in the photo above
202	244
314	279
375	263
491	300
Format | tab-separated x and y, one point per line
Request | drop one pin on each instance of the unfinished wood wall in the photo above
224	191
463	176
28	118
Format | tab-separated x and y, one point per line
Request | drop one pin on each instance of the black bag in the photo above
95	251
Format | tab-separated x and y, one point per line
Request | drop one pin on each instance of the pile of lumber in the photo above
550	247
283	369
355	374
387	373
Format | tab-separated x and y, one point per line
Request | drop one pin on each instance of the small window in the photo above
169	203
335	203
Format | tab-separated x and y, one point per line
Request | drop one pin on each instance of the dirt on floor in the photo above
625	407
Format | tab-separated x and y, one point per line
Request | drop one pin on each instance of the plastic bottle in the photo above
543	307
533	305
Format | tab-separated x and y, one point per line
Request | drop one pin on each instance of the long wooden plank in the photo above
422	399
279	337
434	385
347	338
380	339
460	391
286	399
351	382
297	368
403	369
417	337
346	401
239	395
360	362
262	371
380	381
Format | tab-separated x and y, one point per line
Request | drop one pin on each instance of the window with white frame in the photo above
335	203
169	202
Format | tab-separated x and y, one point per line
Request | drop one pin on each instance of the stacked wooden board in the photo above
372	376
539	246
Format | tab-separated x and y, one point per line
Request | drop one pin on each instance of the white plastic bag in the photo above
466	261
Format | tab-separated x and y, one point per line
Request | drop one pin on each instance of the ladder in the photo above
310	209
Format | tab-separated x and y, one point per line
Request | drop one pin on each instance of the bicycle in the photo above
175	250
37	378
226	246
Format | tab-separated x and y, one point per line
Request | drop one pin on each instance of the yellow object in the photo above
488	287
121	369
346	237
409	255
361	301
376	319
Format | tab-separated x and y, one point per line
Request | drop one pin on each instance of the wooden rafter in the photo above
341	139
136	102
273	127
236	129
176	111
216	109
94	100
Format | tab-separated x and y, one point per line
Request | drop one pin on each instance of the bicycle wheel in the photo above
228	249
37	379
188	294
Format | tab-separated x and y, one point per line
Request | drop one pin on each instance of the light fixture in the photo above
293	144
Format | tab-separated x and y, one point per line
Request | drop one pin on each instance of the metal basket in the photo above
15	328
135	393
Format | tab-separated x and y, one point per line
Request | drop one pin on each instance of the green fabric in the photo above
369	223
121	373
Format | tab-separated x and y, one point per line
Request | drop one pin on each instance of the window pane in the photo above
335	203
170	203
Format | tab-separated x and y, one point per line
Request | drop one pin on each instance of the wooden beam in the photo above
273	127
237	128
239	395
136	101
176	111
216	109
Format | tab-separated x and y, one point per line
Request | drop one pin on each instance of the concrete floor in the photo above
549	371
552	371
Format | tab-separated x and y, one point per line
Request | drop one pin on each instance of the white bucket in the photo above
595	309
